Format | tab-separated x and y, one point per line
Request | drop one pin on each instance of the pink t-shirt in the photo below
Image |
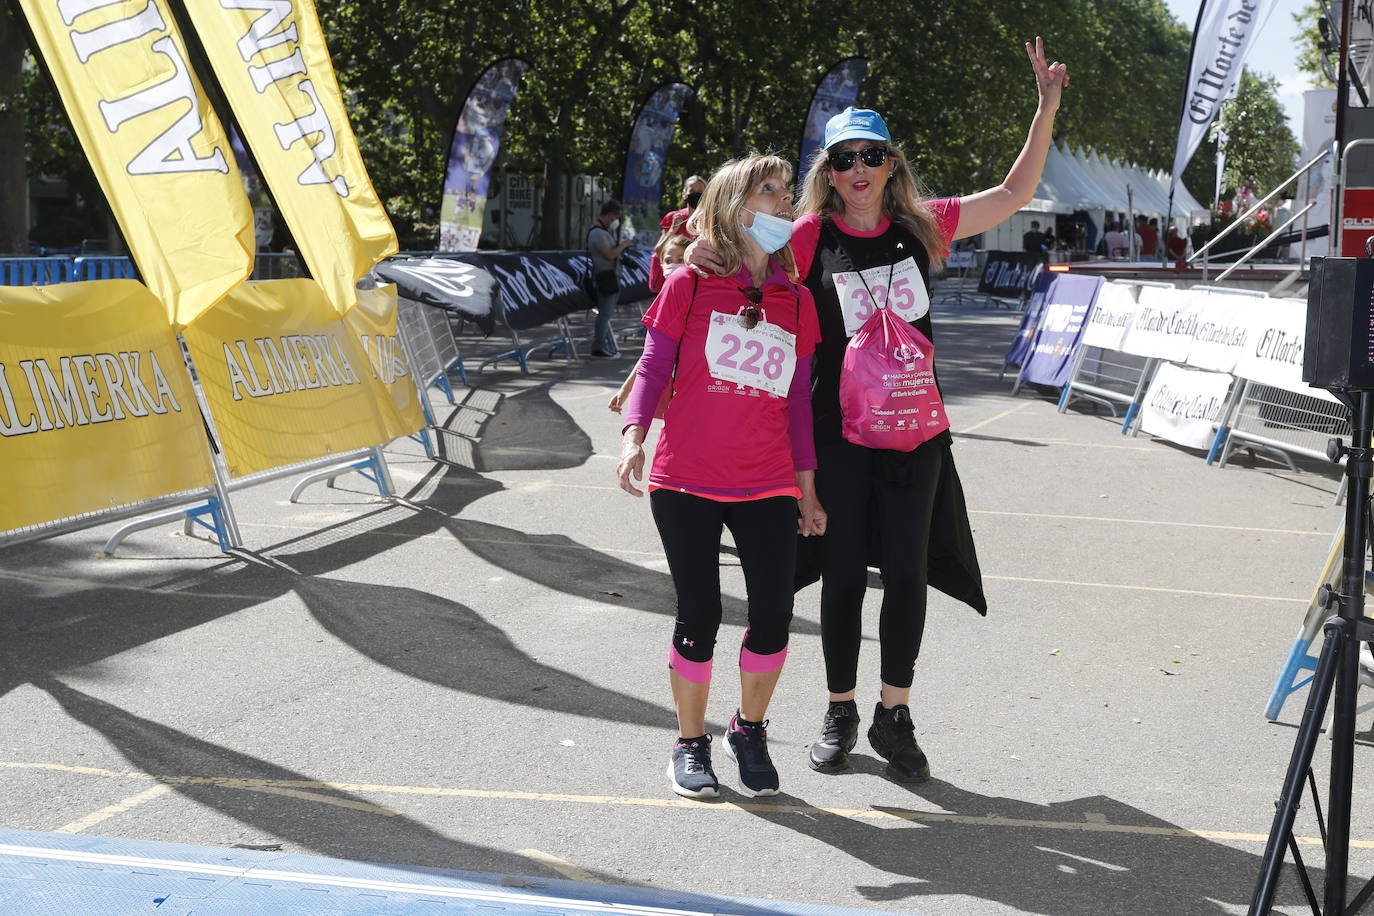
721	435
806	232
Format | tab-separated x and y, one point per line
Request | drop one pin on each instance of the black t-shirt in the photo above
837	252
1033	241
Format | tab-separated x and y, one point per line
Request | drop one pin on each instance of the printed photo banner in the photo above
374	321
473	152
642	190
837	90
1164	323
274	67
1112	315
154	143
1273	351
1067	303
96	407
1030	320
1223	330
1183	405
1008	274
286	380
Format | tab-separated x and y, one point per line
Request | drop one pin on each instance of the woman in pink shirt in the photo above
867	240
735	451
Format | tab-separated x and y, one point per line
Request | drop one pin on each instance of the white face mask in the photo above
614	226
771	232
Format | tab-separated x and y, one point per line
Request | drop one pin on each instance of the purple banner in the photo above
473	152
837	90
642	191
1030	320
1062	321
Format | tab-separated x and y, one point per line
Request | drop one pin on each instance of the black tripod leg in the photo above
1361	898
1303	876
1298	767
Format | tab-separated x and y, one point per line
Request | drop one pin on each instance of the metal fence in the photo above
1282	423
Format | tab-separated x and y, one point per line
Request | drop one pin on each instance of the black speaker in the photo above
1338	350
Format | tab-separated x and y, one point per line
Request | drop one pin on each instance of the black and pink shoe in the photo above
689	768
746	743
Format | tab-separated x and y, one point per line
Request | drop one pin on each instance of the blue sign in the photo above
837	90
1030	320
642	190
1062	320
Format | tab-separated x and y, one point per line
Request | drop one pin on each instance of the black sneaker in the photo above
747	745
830	752
893	736
689	769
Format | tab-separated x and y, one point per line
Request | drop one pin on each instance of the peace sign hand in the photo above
1050	79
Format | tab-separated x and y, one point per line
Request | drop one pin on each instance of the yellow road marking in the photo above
1145	521
1144	588
900	814
994	418
110	811
563	867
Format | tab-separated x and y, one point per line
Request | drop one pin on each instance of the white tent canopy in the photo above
1085	180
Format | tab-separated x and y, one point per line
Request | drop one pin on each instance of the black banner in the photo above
448	283
1008	274
542	286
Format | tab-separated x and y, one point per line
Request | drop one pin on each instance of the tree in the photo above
14	228
1312	48
1260	147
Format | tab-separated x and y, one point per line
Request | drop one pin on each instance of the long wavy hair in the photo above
903	200
717	218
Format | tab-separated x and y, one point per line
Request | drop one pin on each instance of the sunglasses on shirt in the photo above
842	160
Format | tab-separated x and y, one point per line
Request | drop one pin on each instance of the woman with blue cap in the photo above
866	238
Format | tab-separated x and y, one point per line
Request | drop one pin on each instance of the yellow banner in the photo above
286	381
154	143
373	319
96	408
272	62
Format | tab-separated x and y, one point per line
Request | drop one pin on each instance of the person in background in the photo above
1177	247
1033	242
605	248
672	248
674	223
1148	230
735	451
1117	242
866	237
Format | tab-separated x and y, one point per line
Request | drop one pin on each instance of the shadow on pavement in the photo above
1063	859
326	821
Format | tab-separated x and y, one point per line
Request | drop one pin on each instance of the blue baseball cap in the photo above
856	124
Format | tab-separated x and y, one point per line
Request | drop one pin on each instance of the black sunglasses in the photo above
842	160
750	316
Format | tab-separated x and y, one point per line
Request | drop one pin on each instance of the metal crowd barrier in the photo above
1279	422
103	267
36	271
1111	377
430	344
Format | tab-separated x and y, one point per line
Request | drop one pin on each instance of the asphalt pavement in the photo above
473	677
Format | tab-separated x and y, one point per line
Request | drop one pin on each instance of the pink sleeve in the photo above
653	373
809	325
806	235
946	210
669	310
800	423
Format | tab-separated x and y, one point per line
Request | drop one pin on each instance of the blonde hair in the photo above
669	240
691	180
717	217
903	200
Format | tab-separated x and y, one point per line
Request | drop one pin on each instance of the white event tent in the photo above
1078	181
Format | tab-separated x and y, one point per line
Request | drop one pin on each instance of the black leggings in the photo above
849	486
765	532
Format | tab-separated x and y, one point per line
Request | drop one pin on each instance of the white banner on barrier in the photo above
1223	329
1183	405
1164	323
1273	354
1112	314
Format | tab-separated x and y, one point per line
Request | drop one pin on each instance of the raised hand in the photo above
1050	79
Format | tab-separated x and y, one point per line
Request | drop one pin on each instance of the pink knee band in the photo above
753	663
696	672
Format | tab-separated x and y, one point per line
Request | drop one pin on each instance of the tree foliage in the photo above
1260	147
950	76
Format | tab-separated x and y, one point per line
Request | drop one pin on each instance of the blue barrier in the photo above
104	268
36	271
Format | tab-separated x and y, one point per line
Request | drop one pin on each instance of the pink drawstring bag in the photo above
888	397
